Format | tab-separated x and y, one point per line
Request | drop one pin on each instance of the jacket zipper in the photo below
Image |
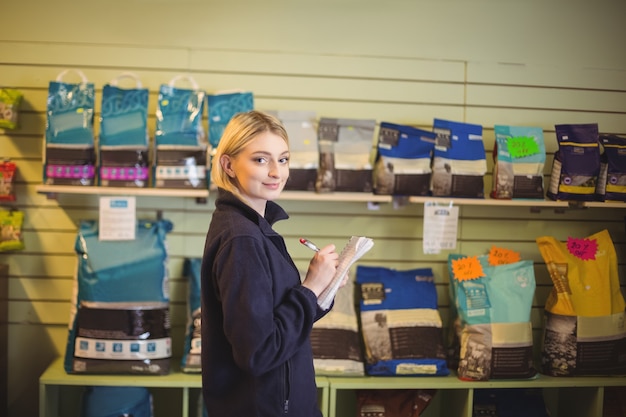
287	387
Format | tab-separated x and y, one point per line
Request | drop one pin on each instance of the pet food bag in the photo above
192	348
301	127
114	401
584	323
403	162
393	402
335	338
119	322
69	155
180	159
493	303
222	106
612	179
123	141
519	158
459	160
346	147
576	164
400	324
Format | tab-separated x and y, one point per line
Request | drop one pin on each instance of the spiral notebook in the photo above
356	247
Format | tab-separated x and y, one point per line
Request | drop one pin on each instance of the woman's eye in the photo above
261	160
284	160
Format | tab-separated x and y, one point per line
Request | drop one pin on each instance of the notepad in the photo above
356	247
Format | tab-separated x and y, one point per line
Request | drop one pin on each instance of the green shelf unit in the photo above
182	389
564	396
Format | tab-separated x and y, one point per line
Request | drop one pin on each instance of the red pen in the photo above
309	244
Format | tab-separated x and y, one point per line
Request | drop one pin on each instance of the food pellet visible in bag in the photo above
584	324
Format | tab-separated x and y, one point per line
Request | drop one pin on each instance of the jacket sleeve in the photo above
263	332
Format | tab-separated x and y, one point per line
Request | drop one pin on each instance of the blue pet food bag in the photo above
119	322
400	324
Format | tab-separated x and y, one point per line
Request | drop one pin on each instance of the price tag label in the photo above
502	256
522	146
584	249
466	269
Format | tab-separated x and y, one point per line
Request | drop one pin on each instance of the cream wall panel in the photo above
74	54
554	76
546	119
515	97
24	147
478	30
324	65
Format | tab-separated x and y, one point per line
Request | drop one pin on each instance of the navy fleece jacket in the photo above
256	318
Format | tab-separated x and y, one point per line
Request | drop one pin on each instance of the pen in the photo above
309	244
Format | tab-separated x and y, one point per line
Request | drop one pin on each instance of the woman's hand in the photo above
321	269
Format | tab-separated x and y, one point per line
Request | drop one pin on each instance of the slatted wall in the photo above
348	72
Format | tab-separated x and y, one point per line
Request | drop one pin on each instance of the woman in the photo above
256	313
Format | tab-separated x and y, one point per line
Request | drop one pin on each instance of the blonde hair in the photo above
239	132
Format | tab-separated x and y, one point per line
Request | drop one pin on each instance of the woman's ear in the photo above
227	165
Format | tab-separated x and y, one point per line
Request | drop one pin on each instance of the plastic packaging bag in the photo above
585	318
119	323
180	138
192	348
10	100
69	154
400	323
459	160
403	162
519	159
123	141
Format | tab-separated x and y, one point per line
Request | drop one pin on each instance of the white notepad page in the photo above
356	247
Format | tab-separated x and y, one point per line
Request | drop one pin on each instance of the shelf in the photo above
55	377
52	190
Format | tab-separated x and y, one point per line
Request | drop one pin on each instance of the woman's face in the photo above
260	170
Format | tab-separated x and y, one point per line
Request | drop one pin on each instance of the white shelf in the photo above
53	190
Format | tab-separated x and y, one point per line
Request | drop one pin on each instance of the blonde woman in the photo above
257	315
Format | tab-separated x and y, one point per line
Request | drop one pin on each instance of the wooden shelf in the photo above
53	190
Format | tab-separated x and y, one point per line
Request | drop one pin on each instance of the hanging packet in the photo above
7	176
345	155
400	324
222	106
11	222
403	163
585	318
611	184
180	159
10	100
192	347
69	154
123	141
119	321
519	157
335	338
576	164
301	127
494	305
459	160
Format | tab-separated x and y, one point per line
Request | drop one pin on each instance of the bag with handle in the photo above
69	154
123	141
180	139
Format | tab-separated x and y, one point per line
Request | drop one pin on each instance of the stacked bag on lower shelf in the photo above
119	321
493	302
585	318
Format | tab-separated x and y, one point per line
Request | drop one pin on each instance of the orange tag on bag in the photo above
502	256
466	269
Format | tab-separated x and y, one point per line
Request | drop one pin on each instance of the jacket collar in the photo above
273	212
